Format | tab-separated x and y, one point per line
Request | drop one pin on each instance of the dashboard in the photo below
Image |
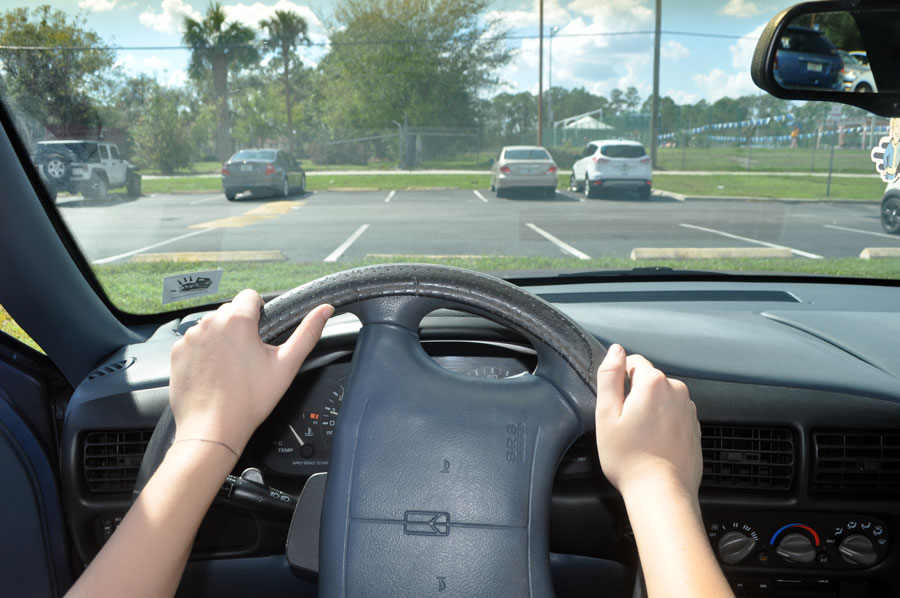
797	387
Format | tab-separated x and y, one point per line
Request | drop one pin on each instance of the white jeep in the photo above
91	168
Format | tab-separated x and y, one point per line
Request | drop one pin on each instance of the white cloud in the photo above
718	84
155	63
252	14
170	17
97	5
682	97
742	51
672	50
741	9
615	14
554	14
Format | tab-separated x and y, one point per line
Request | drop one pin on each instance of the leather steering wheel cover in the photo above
486	295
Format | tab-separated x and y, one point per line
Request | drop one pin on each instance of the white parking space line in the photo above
113	258
812	256
561	244
337	253
863	232
386	200
479	195
193	203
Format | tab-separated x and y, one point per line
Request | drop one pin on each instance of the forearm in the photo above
672	543
147	553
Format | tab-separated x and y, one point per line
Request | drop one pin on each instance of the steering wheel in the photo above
438	481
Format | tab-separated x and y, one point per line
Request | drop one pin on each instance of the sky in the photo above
600	44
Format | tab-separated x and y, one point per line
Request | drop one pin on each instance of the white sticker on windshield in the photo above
886	154
193	284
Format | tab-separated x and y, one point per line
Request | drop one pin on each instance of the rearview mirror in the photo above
823	51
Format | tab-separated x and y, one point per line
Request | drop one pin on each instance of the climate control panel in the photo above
814	541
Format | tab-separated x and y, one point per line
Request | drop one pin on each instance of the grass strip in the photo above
10	327
137	287
801	187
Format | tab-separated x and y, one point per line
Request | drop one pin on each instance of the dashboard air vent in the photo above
111	368
858	462
747	458
112	459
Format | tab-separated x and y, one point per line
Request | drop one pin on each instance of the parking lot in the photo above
351	225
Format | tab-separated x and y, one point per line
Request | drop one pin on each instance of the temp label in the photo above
190	285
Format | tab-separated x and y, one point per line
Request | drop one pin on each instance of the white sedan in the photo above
524	166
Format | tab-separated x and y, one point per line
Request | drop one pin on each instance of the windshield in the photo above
371	128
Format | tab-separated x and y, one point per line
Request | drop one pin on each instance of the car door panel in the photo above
34	554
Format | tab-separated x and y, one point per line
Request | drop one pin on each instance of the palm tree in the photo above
218	47
286	30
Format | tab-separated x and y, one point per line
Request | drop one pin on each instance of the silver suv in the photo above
91	168
612	164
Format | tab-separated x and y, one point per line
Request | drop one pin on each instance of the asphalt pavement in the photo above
351	225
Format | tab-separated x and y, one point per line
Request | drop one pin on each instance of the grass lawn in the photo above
731	185
9	326
137	287
728	185
734	159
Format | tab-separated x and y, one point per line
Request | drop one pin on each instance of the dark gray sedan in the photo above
270	171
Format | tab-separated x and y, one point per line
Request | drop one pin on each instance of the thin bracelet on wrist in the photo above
211	442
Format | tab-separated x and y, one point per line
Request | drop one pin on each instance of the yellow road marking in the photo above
267	211
211	256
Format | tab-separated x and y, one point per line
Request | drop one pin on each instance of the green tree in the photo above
217	49
426	59
286	31
163	132
56	78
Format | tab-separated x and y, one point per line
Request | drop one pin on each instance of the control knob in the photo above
796	548
734	546
857	549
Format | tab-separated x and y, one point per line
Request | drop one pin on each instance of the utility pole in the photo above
654	110
553	31
540	114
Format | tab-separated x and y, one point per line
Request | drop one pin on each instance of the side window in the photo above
589	150
92	154
113	152
104	155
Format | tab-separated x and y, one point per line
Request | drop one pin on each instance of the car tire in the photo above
101	186
230	194
863	88
133	184
500	193
573	183
550	192
57	168
589	192
493	187
303	184
890	215
644	193
285	189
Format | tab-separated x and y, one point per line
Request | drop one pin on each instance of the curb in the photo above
699	253
871	253
783	199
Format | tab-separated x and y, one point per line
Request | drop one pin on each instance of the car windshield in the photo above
526	154
394	114
253	155
622	151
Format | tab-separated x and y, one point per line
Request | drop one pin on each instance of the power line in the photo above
373	42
